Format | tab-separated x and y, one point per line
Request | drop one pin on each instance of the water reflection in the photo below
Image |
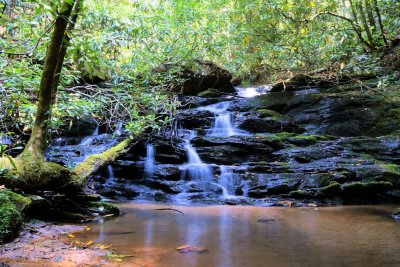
255	236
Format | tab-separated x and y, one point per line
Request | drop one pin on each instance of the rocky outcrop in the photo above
330	144
200	76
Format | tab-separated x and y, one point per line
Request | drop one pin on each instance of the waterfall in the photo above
110	172
87	141
118	129
5	140
149	162
223	123
252	91
222	126
195	169
228	179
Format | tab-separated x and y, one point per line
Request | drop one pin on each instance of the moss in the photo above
359	189
332	190
387	122
394	168
94	162
104	208
12	206
273	114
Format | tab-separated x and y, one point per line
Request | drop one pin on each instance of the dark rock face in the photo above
313	142
199	77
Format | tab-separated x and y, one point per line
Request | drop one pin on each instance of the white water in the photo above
5	140
118	129
228	179
223	123
252	91
195	169
87	141
149	162
110	172
223	126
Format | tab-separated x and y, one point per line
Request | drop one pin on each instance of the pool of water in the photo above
252	236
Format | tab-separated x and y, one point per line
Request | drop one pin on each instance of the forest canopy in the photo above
124	42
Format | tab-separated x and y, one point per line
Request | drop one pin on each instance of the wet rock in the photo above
396	214
192	119
367	191
332	190
259	125
201	76
12	207
162	197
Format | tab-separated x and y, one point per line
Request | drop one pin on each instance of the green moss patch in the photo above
12	206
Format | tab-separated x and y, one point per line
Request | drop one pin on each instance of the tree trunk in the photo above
370	13
366	27
38	139
378	14
63	50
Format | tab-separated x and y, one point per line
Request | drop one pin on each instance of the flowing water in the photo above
149	162
252	236
195	169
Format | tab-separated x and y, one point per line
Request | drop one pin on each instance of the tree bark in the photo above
367	30
38	139
378	14
370	13
63	50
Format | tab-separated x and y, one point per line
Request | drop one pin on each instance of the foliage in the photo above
125	42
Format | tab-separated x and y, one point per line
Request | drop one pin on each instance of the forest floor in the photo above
50	245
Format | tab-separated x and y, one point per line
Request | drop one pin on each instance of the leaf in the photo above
87	244
71	236
103	247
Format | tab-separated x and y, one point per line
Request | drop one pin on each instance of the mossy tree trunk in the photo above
29	171
49	81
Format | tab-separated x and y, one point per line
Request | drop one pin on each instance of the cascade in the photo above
5	140
195	169
118	129
87	141
149	162
227	180
110	172
252	91
222	126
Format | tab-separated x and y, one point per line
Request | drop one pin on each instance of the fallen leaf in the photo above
88	244
71	236
102	247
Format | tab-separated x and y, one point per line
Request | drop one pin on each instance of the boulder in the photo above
12	208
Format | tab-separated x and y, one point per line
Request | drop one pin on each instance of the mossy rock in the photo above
332	190
366	190
210	93
12	207
273	114
387	122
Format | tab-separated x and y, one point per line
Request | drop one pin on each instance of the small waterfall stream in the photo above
195	169
149	162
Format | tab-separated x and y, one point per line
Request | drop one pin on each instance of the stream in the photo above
252	236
